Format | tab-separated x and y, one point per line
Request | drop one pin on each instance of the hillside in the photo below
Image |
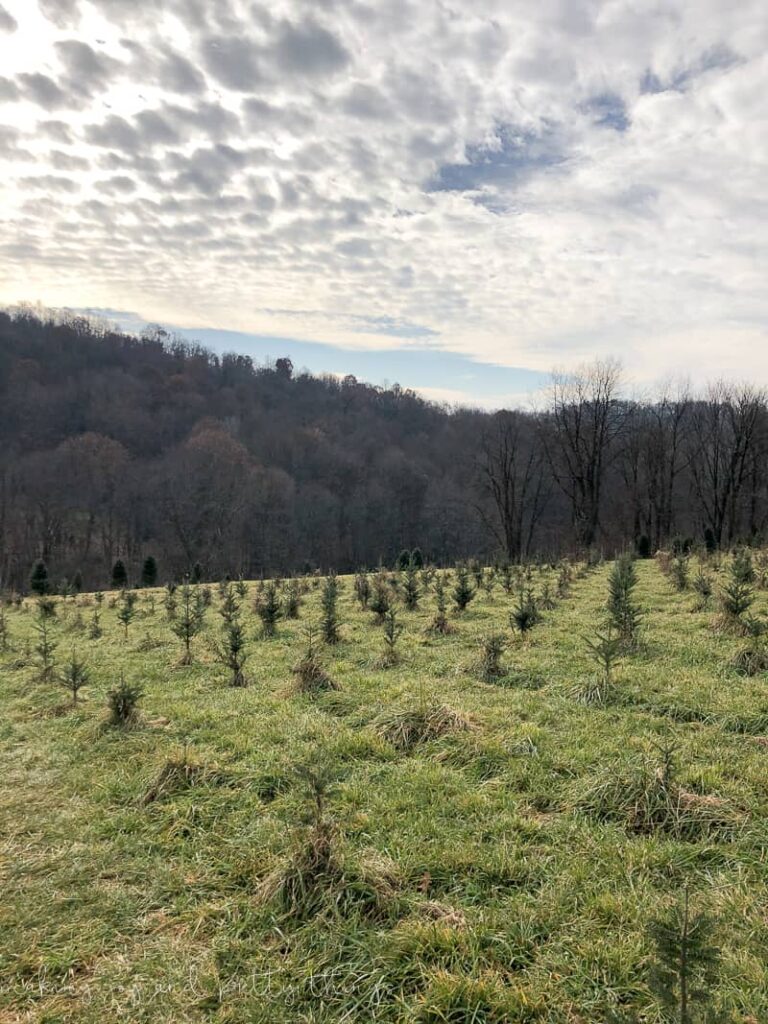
508	867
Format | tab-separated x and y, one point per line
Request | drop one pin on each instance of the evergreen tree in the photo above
292	602
232	649
119	576
411	590
149	572
685	968
197	573
623	612
392	631
440	622
75	676
126	613
417	559
77	582
45	647
463	591
38	582
268	609
379	600
362	589
525	613
329	622
189	620
403	560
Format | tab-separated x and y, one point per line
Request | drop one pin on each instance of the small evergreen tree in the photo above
45	647
463	591
38	581
123	702
232	649
742	569
440	622
149	572
507	578
643	546
329	622
411	590
686	961
197	573
702	585
126	612
75	676
190	619
379	600
392	631
292	602
77	582
94	629
525	613
417	559
170	601
119	576
268	609
623	613
492	649
679	573
403	560
362	589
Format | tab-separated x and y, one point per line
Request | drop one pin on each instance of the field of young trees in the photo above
488	795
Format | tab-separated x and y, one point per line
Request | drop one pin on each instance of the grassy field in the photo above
504	871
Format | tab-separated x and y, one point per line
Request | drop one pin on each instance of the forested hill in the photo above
113	446
116	446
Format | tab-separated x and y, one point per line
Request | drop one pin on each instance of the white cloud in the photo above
534	184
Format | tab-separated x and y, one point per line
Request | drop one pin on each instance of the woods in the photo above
114	447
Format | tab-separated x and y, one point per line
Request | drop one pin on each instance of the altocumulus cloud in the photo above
527	184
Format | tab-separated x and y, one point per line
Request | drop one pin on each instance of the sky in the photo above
456	196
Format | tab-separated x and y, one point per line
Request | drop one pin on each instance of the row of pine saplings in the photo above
382	593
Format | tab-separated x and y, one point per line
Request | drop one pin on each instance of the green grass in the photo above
501	871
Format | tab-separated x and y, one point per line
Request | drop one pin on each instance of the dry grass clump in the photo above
179	774
408	727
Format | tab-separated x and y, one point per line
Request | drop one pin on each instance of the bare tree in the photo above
580	433
666	456
511	471
722	447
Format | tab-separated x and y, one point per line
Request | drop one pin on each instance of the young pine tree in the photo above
525	613
126	611
231	651
392	631
440	622
463	591
190	619
119	576
149	572
38	581
362	589
122	703
94	627
684	971
329	622
411	591
268	609
45	648
292	600
379	599
623	612
75	676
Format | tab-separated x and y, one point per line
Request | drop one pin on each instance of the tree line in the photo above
119	448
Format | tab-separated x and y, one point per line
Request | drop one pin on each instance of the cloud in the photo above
528	184
7	22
